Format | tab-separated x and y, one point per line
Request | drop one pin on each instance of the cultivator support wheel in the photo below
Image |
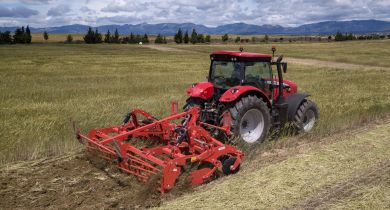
167	147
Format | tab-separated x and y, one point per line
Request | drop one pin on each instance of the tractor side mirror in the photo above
284	65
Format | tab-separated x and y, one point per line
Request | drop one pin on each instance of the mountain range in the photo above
327	27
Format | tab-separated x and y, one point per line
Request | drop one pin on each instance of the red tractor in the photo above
243	84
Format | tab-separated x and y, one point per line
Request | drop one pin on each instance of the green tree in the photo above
238	39
93	37
194	37
88	38
145	39
69	38
27	35
164	40
97	37
159	39
339	37
225	37
207	39
179	37
186	38
107	37
132	38
266	38
200	38
115	38
18	35
45	35
5	37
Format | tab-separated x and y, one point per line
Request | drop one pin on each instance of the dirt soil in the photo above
73	182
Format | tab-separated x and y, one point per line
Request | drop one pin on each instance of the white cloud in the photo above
210	13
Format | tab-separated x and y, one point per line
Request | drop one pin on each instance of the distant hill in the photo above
327	27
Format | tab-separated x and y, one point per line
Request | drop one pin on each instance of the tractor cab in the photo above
229	69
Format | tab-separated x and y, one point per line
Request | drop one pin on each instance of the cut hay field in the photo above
43	87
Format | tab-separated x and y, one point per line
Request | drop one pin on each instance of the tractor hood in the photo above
203	90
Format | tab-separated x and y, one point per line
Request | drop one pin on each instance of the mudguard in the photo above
203	90
235	92
294	101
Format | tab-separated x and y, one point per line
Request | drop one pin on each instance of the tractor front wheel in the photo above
251	120
306	116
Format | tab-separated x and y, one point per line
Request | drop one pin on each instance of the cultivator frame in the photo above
175	145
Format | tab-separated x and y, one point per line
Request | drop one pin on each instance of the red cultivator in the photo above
171	147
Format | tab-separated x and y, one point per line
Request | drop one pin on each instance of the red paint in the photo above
290	88
243	54
203	90
231	95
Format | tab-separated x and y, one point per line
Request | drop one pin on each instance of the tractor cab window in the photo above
258	74
226	74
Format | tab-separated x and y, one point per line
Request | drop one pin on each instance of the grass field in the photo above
43	87
342	164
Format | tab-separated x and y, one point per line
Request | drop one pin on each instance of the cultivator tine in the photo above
118	151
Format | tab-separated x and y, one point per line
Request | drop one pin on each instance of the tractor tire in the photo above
191	102
251	121
306	117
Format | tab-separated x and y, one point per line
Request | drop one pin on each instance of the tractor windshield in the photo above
258	74
226	74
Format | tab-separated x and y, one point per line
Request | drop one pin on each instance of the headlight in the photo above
234	90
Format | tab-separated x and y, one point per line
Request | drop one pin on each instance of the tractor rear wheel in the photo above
306	116
251	121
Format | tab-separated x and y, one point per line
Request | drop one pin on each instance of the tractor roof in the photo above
240	56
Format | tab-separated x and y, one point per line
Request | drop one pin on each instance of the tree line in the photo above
195	37
21	35
349	36
94	37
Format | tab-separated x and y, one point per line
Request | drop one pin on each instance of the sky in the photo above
48	13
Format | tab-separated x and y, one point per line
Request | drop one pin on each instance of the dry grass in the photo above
301	179
42	87
357	52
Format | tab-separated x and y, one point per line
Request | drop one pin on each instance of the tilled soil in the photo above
73	182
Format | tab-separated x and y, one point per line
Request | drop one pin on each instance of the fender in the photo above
235	92
294	101
203	90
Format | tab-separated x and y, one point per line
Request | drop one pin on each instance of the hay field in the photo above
43	87
343	163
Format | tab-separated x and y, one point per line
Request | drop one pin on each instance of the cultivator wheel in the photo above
147	147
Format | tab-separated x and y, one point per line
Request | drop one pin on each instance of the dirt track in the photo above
332	64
